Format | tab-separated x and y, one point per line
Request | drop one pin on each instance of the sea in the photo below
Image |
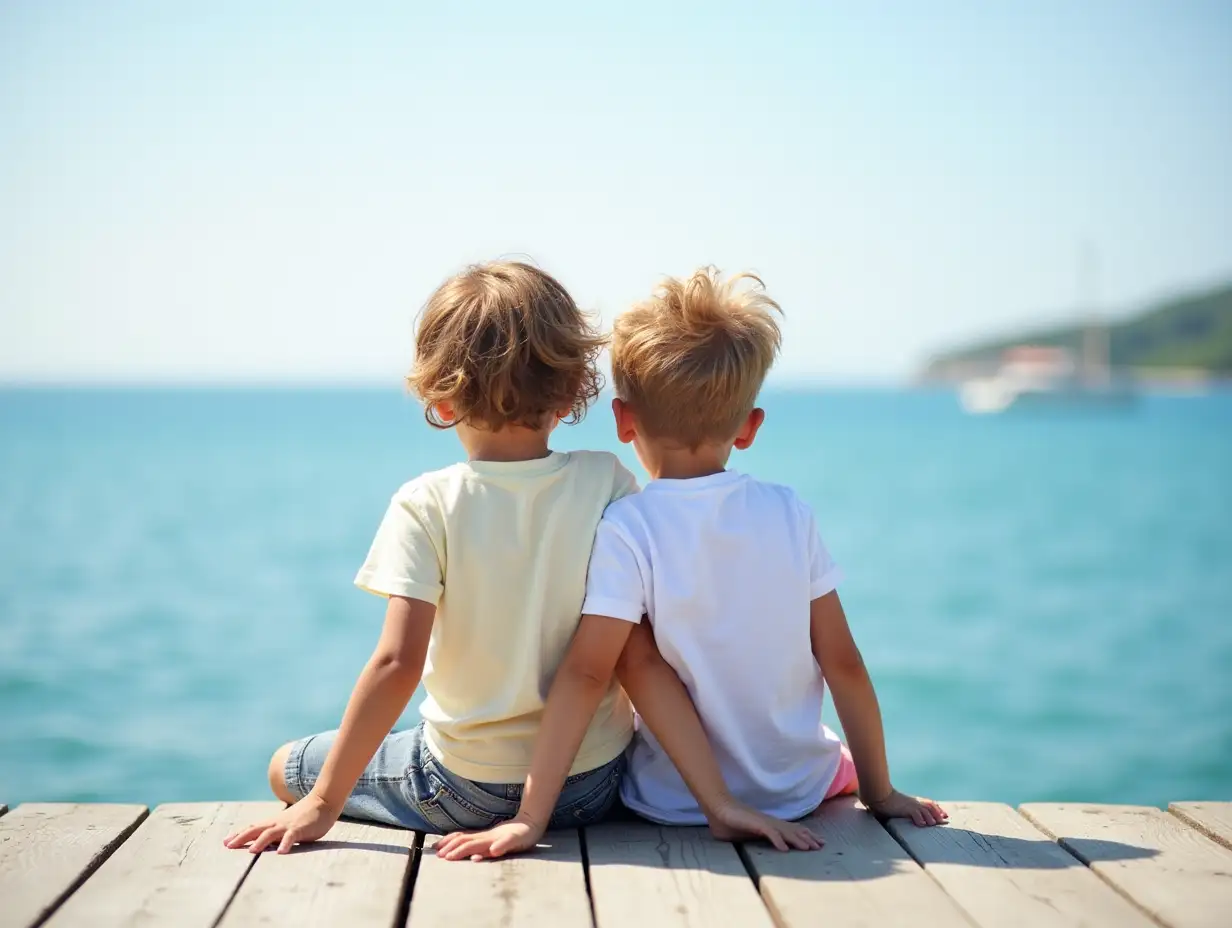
1044	600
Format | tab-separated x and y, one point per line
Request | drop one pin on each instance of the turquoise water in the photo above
1045	602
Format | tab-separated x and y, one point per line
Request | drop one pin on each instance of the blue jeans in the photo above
404	784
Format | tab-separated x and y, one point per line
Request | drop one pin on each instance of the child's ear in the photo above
748	431
626	425
445	411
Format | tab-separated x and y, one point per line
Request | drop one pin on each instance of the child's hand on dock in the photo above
924	812
734	821
308	820
511	837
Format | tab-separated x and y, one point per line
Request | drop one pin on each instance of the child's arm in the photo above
665	706
856	704
580	683
384	688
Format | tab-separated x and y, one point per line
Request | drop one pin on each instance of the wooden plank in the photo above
544	889
1007	873
642	874
862	877
1213	819
1175	874
47	849
355	877
174	869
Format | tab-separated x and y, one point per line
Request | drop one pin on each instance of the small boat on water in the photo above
1050	376
1043	376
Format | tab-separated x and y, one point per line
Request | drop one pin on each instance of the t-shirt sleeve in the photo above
614	585
623	483
406	557
824	574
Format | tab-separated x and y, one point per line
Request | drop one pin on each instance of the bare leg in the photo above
277	774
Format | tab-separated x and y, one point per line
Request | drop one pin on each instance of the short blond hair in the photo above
505	344
691	360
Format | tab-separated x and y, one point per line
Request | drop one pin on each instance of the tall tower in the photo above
1095	346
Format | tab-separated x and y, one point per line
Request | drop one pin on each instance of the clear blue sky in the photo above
248	191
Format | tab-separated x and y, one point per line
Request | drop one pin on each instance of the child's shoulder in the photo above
599	461
605	472
778	492
781	500
428	486
594	473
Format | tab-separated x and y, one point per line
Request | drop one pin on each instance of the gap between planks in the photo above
357	876
983	867
860	877
545	889
1005	872
174	869
643	874
1213	819
1172	872
47	850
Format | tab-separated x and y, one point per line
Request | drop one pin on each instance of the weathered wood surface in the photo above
1213	819
546	889
356	877
646	875
861	877
47	849
1006	873
1172	871
173	870
69	865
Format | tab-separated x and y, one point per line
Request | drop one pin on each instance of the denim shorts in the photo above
404	784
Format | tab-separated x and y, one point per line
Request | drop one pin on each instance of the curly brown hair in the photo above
505	344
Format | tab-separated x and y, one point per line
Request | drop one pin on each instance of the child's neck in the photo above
686	464
511	443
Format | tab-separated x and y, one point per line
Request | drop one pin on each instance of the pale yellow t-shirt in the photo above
501	549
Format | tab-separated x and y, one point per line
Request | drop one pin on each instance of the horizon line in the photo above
203	384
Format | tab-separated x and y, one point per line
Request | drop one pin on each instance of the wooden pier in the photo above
1048	865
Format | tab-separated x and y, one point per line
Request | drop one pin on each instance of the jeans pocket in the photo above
448	813
592	805
449	807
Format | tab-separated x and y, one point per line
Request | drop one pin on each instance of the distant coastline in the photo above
1180	344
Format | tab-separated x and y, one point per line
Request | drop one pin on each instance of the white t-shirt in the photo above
725	567
500	548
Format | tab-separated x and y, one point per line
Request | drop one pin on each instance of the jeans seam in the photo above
433	808
442	787
293	768
460	800
580	807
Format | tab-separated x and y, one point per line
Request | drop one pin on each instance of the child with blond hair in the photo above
483	565
743	626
